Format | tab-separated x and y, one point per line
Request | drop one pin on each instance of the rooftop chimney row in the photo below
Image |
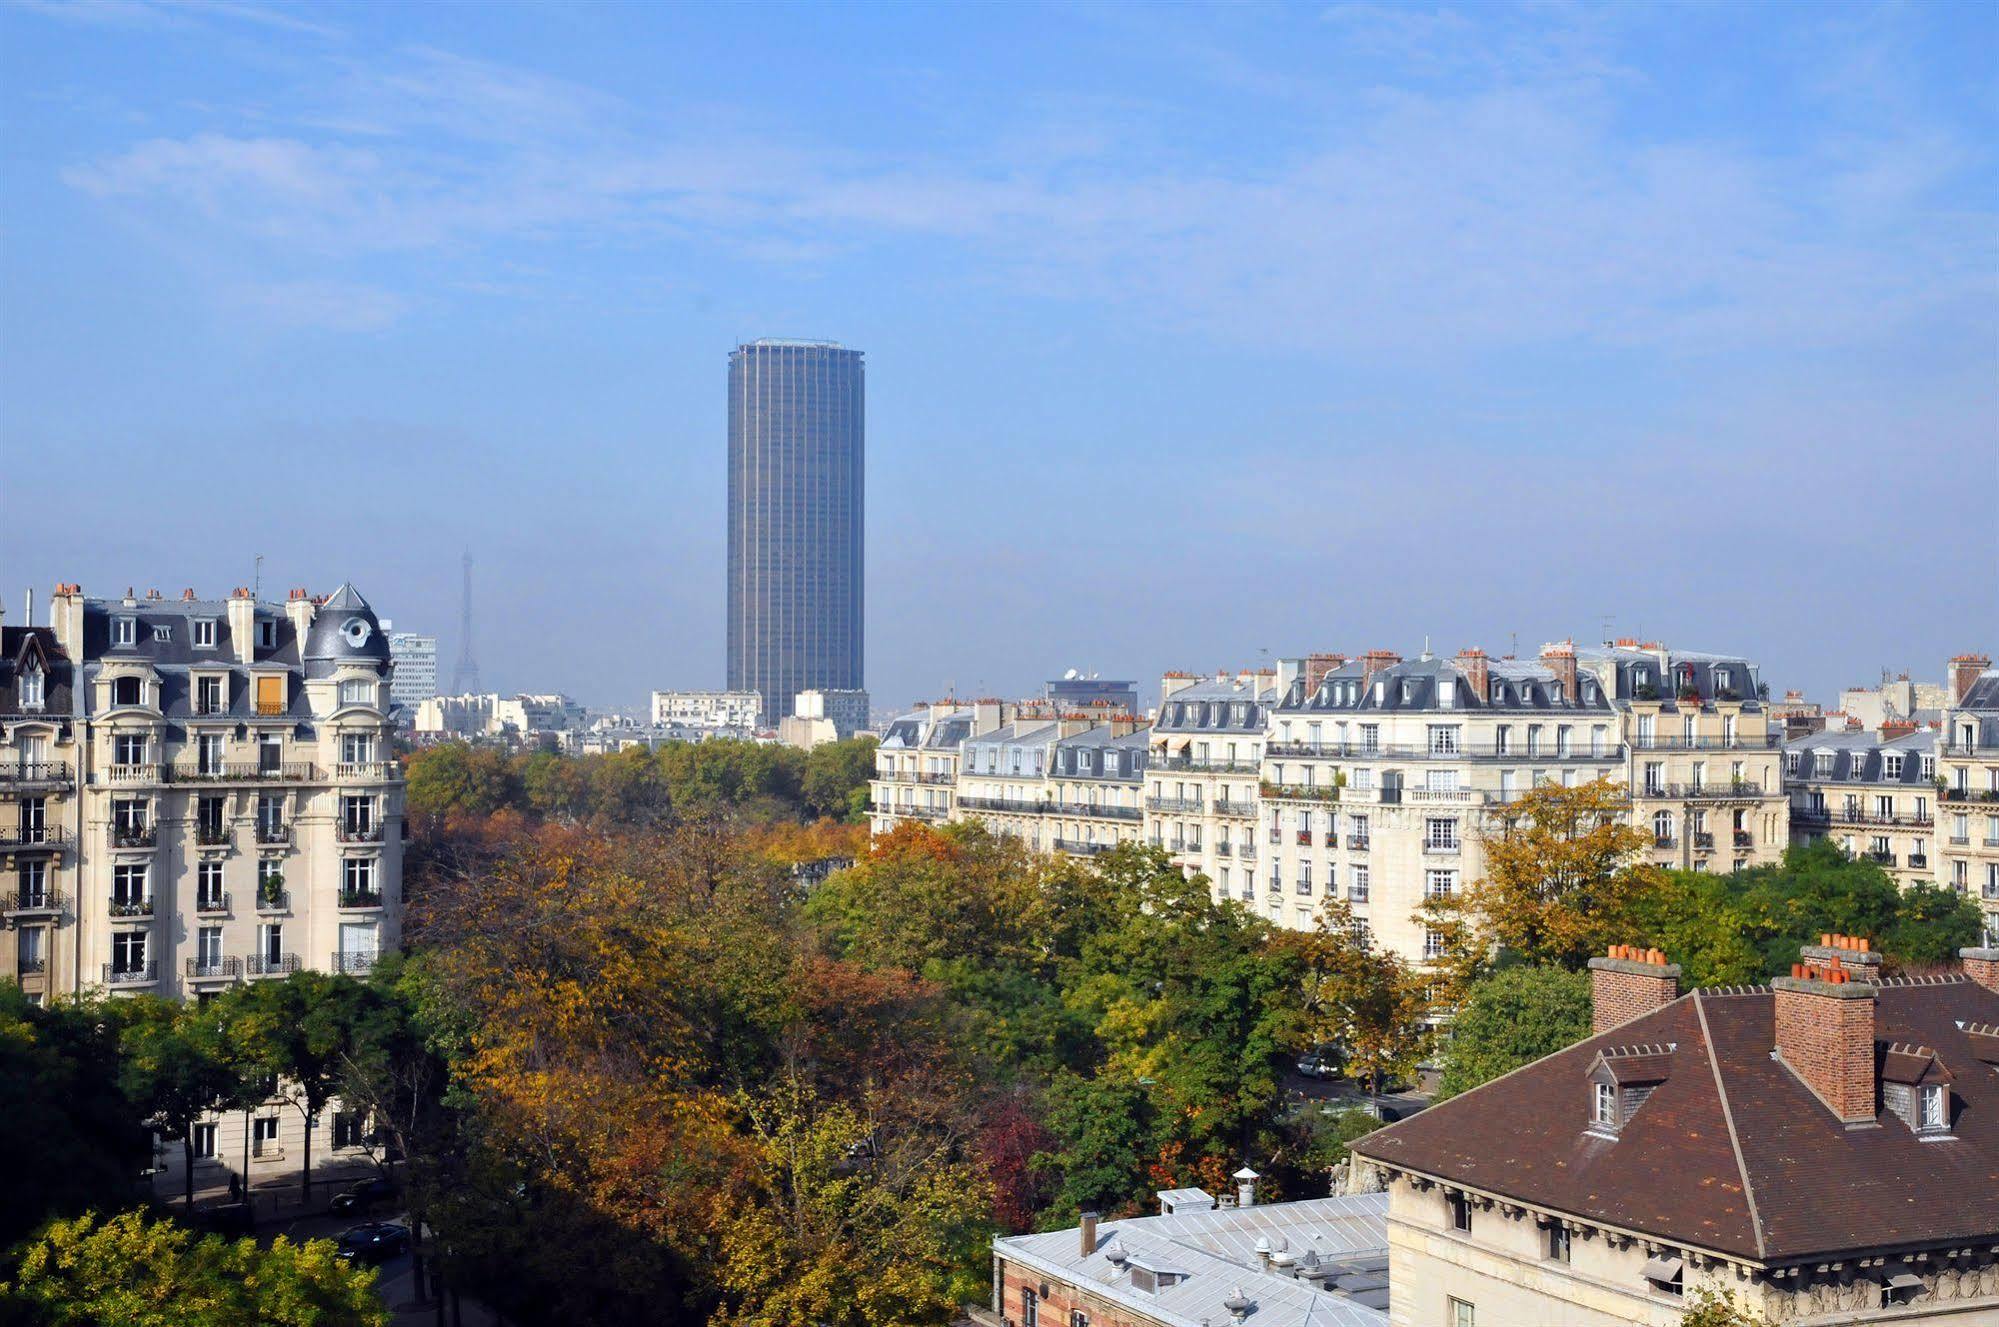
1629	982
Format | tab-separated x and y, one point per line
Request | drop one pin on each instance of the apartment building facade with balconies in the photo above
1380	781
41	746
1968	785
916	761
1203	758
1705	760
1874	793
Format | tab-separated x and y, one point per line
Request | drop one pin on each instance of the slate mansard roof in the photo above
25	649
1216	706
1417	685
1866	750
1732	1153
1098	742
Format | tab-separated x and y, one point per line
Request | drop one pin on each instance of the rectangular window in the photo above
128	951
270	694
1433	943
208	695
357	748
264	1134
1558	1242
1605	1111
1460	1212
128	749
1439	884
1443	740
204	633
1440	834
32	692
123	630
208	947
1357	890
204	1142
347	1128
1461	1313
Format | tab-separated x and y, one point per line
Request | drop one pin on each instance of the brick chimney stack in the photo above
1982	966
1374	661
1964	671
1825	1035
1629	983
1853	955
1477	670
1317	666
1560	659
1897	727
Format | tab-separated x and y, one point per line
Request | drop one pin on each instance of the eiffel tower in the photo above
465	673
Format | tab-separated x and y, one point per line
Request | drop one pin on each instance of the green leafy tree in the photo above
177	1067
1708	1308
70	1136
89	1271
834	772
1368	1002
1513	1017
299	1032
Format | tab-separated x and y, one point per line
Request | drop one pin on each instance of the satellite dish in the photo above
1069	676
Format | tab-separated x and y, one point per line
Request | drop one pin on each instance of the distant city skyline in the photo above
1194	335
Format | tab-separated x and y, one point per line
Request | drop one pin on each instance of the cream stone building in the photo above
1060	781
916	762
1968	792
1096	788
1704	756
1380	781
1202	763
203	794
1819	1150
1873	793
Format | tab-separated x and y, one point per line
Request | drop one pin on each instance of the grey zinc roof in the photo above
1179	712
1984	693
21	645
1216	1251
1865	747
1518	684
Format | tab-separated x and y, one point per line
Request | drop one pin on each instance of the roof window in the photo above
1666	1272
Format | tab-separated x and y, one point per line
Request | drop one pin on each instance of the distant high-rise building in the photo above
415	677
796	511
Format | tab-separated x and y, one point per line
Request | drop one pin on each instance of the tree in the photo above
1513	1017
1367	1002
71	1140
1562	872
1710	1308
834	772
129	1270
176	1068
297	1031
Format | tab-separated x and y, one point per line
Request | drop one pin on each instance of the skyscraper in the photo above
796	512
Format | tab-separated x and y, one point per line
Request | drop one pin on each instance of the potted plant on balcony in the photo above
271	889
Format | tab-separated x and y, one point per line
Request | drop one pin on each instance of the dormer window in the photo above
1935	1109
124	630
204	633
357	691
267	635
1604	1111
1666	1272
161	631
33	691
127	691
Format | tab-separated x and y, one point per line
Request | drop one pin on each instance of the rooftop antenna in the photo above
1607	620
465	675
257	579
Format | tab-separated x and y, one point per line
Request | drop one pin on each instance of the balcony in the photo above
1440	849
1972	748
1192	804
1919	861
1969	795
924	812
135	775
1703	841
211	836
351	832
1664	841
1357	842
1098	810
937	779
1013	805
214	969
1731	790
131	974
253	771
1881	858
29	838
348	771
1304	838
265	965
274	900
212	904
1356	893
895	776
131	907
36	776
1238	807
42	902
1295	792
1082	848
1200	764
1744	839
1247	852
31	967
360	898
1435	795
1765	742
356	963
1820	818
135	836
1516	751
273	836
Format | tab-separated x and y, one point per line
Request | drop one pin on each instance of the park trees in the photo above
1513	1017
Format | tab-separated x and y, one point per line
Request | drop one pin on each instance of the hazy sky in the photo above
1191	332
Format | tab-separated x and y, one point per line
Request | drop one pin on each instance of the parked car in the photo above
232	1219
362	1197
372	1242
1323	1062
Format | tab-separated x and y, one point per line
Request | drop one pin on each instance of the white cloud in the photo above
326	305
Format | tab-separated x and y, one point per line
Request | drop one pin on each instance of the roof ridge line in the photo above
1728	1117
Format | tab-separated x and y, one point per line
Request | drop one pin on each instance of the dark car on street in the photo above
373	1242
362	1197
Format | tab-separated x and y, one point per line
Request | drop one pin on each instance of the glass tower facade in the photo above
797	452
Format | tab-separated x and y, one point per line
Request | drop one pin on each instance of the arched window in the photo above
1662	826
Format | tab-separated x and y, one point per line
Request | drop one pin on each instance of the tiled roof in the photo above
1732	1152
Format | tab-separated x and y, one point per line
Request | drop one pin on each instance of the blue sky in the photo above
1193	332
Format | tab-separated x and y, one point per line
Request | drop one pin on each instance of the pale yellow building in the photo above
1203	760
1968	779
1873	793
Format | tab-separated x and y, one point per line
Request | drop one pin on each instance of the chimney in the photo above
1245	1187
1087	1233
243	624
28	610
66	618
1825	1035
1627	983
1894	728
1172	683
1318	665
1560	659
1373	662
1982	966
1964	671
1853	955
1478	673
301	607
